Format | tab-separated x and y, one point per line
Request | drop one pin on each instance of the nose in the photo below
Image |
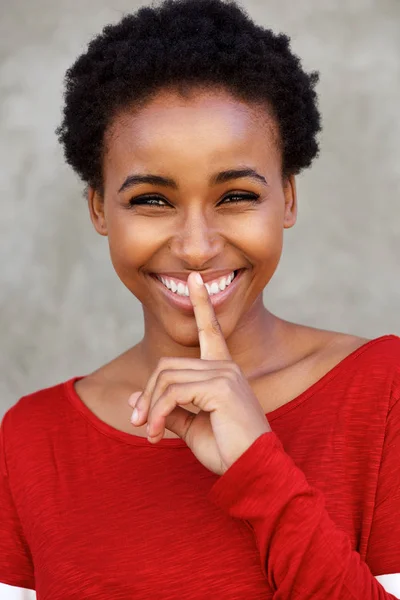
197	242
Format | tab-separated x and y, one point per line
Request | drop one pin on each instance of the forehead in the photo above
207	126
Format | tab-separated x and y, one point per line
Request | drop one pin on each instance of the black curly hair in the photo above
179	45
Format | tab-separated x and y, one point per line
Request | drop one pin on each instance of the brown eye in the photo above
236	198
161	203
148	201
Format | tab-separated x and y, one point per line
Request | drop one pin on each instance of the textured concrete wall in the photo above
63	309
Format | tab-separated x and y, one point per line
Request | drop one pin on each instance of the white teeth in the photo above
182	290
215	287
166	282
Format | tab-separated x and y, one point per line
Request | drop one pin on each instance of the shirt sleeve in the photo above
303	554
383	552
16	567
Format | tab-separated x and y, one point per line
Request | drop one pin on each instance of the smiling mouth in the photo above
213	287
177	292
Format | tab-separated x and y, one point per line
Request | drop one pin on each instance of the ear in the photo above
290	202
96	209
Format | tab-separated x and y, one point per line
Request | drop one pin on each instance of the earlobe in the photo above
290	202
96	210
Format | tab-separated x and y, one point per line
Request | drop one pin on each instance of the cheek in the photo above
132	243
262	236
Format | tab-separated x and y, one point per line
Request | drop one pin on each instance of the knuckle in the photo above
168	363
214	326
164	374
171	390
235	368
163	362
230	376
227	383
232	371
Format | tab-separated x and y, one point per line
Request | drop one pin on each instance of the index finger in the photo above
212	341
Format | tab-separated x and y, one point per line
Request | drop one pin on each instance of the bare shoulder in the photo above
330	347
343	343
387	347
310	354
319	350
315	342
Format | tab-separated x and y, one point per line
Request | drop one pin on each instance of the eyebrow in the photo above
221	177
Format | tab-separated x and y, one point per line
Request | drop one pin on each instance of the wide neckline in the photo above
122	436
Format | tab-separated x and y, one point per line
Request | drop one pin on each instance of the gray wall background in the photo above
64	312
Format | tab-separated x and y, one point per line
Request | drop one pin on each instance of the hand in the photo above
230	417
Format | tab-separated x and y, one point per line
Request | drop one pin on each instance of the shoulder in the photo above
38	411
334	347
379	359
362	390
384	350
369	366
360	368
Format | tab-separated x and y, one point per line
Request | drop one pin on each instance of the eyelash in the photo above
144	200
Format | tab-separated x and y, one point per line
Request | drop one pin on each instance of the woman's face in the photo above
194	221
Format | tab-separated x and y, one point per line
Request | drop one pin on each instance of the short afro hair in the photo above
183	44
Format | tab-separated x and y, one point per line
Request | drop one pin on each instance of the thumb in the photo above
179	421
133	398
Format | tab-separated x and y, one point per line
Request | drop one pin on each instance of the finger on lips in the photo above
211	339
172	371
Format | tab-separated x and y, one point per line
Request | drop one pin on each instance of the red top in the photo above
309	510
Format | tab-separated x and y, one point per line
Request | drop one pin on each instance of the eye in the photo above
236	198
158	202
148	201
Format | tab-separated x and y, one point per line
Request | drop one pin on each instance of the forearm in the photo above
303	552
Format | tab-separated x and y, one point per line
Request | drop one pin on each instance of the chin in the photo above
186	334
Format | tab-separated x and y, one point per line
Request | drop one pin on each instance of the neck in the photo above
256	344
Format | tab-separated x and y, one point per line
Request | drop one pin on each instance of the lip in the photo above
207	277
184	303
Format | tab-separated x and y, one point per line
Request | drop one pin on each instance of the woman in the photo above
262	459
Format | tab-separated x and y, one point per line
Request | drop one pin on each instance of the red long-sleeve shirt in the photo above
311	510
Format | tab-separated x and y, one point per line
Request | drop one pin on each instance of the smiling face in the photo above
198	215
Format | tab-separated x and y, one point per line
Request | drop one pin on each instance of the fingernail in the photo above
135	416
198	279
